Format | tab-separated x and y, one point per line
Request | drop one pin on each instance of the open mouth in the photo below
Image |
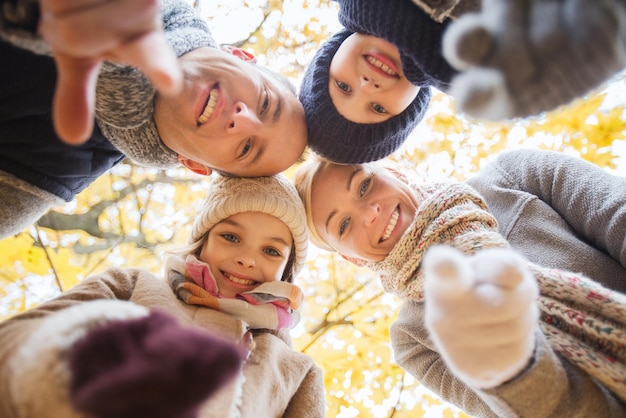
381	66
243	282
393	221
209	108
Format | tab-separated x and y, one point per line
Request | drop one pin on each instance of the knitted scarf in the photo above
583	321
271	305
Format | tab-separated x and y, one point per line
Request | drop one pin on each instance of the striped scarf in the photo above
583	321
271	305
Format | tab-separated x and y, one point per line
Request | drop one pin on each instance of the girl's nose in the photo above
245	260
369	84
372	211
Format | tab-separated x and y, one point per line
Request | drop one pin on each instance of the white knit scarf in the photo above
583	321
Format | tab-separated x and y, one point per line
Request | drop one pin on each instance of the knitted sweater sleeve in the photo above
591	200
18	24
547	387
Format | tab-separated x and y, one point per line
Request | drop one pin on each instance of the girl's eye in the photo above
272	251
246	148
343	226
230	238
379	109
365	185
343	87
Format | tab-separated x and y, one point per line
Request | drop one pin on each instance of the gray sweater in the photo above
559	212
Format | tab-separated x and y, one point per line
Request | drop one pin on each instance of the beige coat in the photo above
277	381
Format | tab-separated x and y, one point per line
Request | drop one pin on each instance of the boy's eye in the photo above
343	86
379	109
230	237
272	251
365	185
343	226
246	148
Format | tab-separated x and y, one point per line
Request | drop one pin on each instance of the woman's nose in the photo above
372	210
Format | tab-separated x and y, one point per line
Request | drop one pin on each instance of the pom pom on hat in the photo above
274	195
338	139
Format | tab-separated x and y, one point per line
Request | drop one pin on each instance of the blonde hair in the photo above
303	178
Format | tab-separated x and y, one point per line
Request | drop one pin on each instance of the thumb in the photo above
154	57
74	98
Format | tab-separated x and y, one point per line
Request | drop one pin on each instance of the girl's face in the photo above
366	80
361	210
246	250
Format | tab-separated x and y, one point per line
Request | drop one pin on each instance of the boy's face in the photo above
367	84
361	211
246	250
231	116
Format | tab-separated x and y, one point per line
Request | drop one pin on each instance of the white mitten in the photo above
522	57
481	313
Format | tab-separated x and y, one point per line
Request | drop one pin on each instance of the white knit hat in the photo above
274	195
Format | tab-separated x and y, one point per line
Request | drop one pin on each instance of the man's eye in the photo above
379	109
343	87
246	148
365	185
230	237
343	226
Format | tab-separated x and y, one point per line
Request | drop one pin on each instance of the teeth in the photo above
381	65
210	106
237	280
392	224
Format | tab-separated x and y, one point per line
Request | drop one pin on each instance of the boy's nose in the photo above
369	84
243	120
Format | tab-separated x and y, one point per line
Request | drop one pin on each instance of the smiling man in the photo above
230	114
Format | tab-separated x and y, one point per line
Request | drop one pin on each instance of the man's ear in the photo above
359	262
240	53
194	166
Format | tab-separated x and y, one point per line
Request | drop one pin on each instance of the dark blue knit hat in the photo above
338	139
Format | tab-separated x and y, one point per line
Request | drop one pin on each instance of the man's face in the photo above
362	210
366	82
231	116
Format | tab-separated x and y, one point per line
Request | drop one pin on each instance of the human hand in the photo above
83	35
522	57
148	366
481	313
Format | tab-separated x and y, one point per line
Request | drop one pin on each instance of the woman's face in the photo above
367	84
361	211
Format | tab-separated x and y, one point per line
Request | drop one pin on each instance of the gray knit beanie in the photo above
338	139
275	195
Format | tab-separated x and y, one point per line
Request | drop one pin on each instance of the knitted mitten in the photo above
148	367
481	313
523	57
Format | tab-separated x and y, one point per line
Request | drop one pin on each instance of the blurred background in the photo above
132	214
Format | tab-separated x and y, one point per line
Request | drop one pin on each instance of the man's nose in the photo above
243	120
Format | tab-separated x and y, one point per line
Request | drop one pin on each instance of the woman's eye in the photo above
343	226
230	237
343	87
365	185
246	148
379	109
272	251
266	103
